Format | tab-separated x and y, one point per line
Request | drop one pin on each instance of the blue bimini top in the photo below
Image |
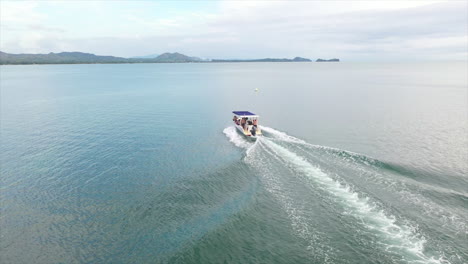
243	113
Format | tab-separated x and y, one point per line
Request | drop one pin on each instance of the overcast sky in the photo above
349	30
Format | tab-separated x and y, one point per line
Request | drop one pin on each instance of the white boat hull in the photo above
247	132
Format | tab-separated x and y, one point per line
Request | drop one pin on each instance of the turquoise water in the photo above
360	163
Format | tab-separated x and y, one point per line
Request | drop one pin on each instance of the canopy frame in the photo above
243	114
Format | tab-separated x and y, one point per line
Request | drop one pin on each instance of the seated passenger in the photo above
243	123
236	120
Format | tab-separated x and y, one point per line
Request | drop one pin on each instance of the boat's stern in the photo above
251	131
247	123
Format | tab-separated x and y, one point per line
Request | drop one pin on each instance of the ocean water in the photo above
139	163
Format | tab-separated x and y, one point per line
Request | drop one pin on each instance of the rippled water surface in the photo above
360	163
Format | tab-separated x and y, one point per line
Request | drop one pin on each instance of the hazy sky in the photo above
349	30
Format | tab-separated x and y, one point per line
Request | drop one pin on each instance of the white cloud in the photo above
23	28
351	30
21	13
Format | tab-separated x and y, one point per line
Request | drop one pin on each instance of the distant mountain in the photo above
151	56
166	58
80	57
57	58
330	60
301	59
296	59
175	57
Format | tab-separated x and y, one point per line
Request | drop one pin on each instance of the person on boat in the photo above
236	120
253	131
243	122
255	127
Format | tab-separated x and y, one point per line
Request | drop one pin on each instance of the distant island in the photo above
330	60
296	59
88	58
80	57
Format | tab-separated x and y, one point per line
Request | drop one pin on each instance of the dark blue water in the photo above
360	163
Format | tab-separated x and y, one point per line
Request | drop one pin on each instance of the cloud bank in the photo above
350	30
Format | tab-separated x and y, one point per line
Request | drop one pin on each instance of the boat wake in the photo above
236	138
317	185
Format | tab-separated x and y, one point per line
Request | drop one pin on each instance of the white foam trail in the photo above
238	140
278	135
398	185
396	238
430	208
319	249
281	135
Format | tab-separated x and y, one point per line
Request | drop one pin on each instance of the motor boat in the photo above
247	123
